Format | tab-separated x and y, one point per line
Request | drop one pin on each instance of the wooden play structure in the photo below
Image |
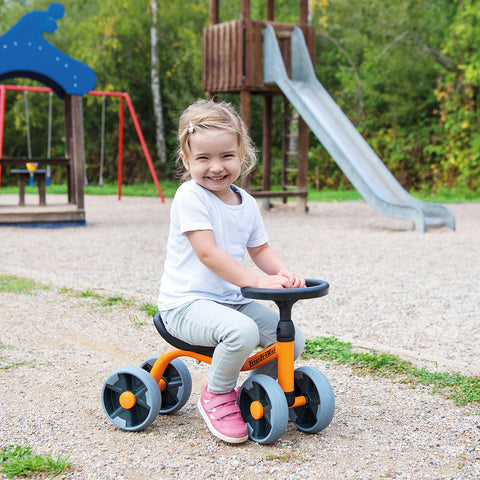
25	53
74	211
232	63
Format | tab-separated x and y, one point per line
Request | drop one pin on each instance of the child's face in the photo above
214	161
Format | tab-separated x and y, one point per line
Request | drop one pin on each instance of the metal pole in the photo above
120	148
102	142
144	145
27	121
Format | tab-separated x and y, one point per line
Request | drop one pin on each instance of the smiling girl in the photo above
213	224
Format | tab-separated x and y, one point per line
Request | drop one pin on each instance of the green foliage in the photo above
457	95
383	63
462	389
16	461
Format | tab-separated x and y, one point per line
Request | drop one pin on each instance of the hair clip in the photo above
191	127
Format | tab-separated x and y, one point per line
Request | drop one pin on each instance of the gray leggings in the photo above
235	331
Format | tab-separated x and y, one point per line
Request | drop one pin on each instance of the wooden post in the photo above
2	121
245	108
69	148
214	17
270	10
245	8
74	135
267	142
303	12
302	174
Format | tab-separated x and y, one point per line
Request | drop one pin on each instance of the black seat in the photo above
160	326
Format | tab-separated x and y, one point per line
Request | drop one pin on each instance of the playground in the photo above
391	289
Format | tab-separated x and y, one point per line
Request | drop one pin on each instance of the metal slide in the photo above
367	173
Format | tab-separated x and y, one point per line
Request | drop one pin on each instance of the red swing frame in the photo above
124	97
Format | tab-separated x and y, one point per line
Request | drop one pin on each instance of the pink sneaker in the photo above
223	417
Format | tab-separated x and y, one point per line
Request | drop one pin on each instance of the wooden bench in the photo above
23	177
40	177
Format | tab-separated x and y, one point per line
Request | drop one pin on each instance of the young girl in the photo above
213	224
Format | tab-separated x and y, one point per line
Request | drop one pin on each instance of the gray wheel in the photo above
264	408
131	398
318	412
178	384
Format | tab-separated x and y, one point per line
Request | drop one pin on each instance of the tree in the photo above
156	93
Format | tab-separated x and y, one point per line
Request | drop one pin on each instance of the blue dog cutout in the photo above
24	52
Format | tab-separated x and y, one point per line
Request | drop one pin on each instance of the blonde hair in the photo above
205	114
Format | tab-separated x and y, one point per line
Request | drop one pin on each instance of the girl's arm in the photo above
225	266
267	260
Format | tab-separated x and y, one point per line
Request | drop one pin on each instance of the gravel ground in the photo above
392	289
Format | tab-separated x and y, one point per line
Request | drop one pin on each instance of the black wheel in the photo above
131	398
264	409
178	384
318	412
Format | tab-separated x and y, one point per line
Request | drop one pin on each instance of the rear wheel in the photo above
320	407
177	381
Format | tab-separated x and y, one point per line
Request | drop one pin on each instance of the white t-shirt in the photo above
235	228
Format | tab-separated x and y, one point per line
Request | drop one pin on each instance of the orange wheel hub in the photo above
256	410
127	400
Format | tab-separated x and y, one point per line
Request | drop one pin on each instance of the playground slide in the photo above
367	173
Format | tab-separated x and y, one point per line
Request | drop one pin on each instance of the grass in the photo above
169	187
149	308
19	285
461	388
5	364
16	461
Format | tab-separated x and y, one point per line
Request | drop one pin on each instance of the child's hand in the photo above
284	279
294	281
273	281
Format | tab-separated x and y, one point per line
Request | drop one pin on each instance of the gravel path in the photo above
392	289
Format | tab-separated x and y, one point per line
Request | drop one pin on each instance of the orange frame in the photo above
283	351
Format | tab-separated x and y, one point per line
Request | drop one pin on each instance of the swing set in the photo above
124	98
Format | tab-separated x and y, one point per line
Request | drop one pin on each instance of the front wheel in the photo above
320	407
264	408
131	398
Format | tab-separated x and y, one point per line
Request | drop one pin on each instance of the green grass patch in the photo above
462	389
89	294
149	308
19	285
116	300
5	364
169	187
16	461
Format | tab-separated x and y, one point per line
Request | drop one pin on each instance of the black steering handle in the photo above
313	289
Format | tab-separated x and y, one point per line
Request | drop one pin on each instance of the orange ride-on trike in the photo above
132	397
